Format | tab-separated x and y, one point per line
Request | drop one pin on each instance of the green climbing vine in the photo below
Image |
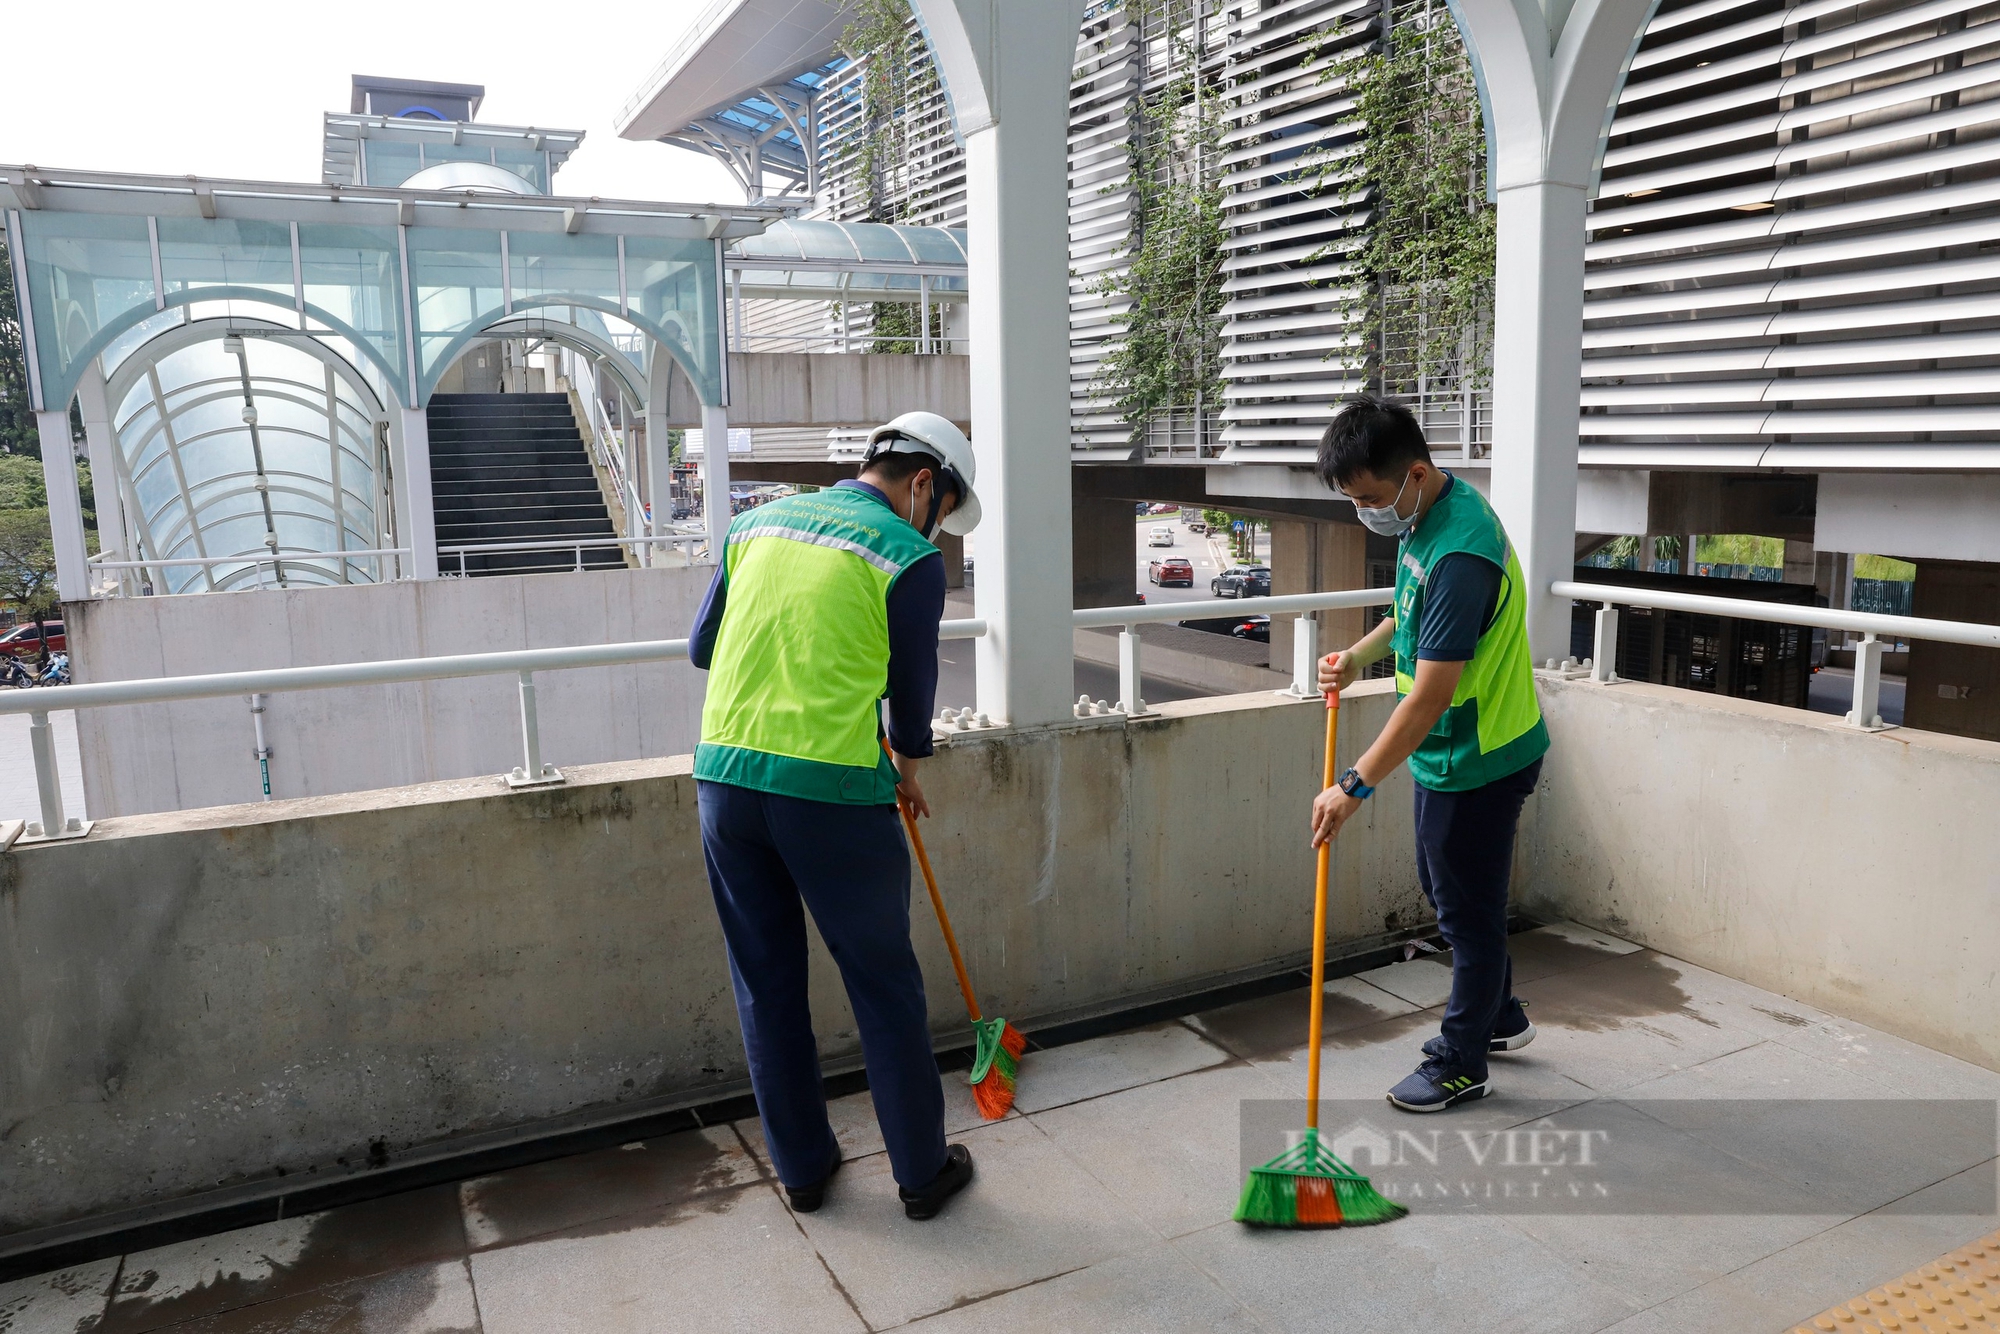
897	75
1425	264
1169	353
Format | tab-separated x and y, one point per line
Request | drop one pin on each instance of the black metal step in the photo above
514	468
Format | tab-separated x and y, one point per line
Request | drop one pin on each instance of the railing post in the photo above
1305	656
1605	660
1129	700
532	770
1867	711
44	744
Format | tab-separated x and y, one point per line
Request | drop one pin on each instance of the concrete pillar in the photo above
953	550
1800	567
65	506
101	439
715	476
1953	687
1537	371
416	526
1104	553
1315	556
1008	83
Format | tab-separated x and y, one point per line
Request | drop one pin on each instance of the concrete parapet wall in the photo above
165	757
1853	871
822	389
204	998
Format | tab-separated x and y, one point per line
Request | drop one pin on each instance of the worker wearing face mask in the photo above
823	605
1467	722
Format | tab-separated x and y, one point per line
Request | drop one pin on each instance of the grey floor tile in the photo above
738	1263
1030	1214
1423	1272
1422	982
1578	934
1543	952
1105	1065
1621	1022
856	1130
198	1278
1649	1259
1153	1291
1172	1150
1278	1022
1781	1289
61	1301
423	1299
648	1174
1361	1065
1833	1134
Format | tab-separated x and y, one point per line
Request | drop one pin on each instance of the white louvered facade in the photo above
1794	253
1289	157
1103	99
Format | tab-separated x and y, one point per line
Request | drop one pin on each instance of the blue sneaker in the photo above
1512	1033
1438	1084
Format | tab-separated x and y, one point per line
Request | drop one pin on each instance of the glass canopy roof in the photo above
830	261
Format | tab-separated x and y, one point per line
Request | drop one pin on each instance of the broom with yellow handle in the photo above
1306	1186
996	1044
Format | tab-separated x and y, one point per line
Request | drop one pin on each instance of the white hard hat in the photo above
928	433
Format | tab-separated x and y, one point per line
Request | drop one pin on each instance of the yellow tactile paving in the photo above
1959	1291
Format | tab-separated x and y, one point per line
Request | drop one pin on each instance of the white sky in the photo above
179	87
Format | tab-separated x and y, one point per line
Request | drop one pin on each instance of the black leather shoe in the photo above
926	1203
808	1198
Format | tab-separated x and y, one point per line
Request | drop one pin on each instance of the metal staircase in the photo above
514	468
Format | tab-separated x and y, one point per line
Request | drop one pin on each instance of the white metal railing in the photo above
1866	713
375	555
1305	634
524	663
840	342
693	543
607	450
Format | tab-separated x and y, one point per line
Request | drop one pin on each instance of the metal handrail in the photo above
38	703
1602	665
1284	604
247	558
1831	618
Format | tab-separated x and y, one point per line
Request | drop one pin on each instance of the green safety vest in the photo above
1493	726
802	655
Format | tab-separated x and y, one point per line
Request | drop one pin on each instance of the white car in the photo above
1161	536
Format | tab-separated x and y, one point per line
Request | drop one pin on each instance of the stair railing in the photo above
607	450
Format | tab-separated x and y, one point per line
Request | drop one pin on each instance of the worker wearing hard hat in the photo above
823	605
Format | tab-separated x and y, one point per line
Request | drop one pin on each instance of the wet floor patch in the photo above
655	1178
423	1299
1612	994
1277	1023
254	1265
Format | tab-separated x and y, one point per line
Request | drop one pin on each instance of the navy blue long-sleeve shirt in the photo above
915	606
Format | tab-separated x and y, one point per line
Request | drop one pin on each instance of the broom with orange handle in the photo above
1306	1186
996	1044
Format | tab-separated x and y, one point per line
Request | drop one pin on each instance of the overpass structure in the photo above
427	994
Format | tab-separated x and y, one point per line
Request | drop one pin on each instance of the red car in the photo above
1173	570
23	641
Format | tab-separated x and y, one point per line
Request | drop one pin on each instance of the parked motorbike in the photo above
56	673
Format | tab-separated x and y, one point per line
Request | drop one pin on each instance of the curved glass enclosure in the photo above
243	442
816	260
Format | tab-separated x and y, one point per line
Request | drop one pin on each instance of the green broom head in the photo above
1306	1186
996	1062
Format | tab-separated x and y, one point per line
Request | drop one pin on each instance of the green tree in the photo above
17	419
28	566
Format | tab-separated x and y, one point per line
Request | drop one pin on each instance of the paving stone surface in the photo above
1102	1203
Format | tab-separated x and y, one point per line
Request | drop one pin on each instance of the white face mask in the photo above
1384	519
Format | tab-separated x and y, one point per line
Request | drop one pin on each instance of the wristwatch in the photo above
1350	783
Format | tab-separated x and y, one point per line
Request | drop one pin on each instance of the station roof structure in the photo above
804	259
781	51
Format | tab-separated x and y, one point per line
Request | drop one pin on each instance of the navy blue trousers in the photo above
1465	857
770	858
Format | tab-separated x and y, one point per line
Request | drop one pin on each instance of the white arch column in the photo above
1549	74
1007	75
416	511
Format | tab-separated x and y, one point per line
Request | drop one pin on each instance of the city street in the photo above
1209	555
